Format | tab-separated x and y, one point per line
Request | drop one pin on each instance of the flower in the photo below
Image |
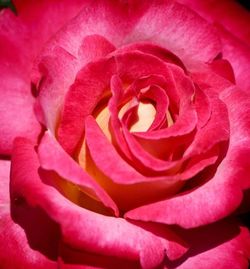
128	127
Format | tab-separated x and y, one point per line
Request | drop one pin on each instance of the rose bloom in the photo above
125	134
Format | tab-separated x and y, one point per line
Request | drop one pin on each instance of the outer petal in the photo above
230	179
232	21
108	19
16	110
238	54
178	29
86	230
222	245
15	250
20	40
41	20
16	101
228	13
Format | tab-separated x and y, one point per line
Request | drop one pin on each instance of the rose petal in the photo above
94	47
178	29
151	110
63	165
126	145
228	13
86	230
238	54
164	81
174	138
22	37
135	65
111	20
59	68
140	79
16	109
230	179
15	91
57	73
202	107
41	20
224	244
175	210
16	251
157	51
19	248
206	77
96	140
93	78
216	130
186	90
125	184
160	137
223	68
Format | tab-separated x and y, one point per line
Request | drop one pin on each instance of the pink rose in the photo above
128	128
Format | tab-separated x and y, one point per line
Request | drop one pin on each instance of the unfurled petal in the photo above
225	244
15	241
86	230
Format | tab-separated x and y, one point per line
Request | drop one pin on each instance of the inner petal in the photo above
102	118
145	116
123	182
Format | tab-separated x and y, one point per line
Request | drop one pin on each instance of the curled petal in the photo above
58	70
225	180
126	185
83	96
61	163
86	230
